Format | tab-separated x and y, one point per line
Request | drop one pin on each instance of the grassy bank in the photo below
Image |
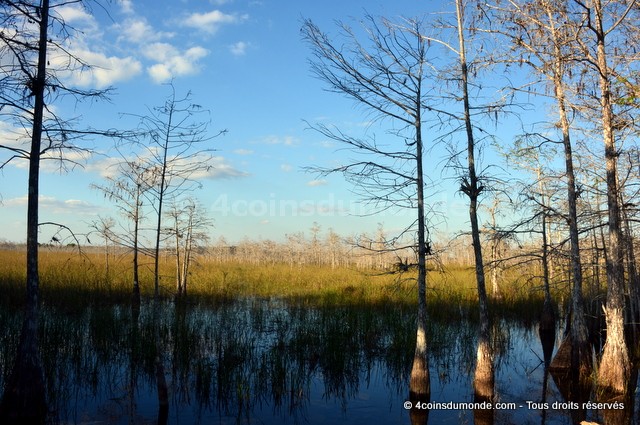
68	277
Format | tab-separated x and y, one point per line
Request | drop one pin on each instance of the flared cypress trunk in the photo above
615	368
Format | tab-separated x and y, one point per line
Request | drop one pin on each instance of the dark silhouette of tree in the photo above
28	88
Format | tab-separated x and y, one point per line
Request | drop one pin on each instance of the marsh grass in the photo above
71	279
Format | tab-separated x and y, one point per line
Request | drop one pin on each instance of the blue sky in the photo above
244	61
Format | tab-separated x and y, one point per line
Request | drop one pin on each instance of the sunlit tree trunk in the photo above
420	386
576	341
483	382
615	368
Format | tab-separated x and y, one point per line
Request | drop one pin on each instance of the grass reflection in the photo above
235	359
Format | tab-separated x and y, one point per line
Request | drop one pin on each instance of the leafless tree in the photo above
190	230
126	189
614	369
537	38
29	86
384	69
177	149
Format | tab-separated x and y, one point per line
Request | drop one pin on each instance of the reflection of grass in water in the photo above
236	356
69	279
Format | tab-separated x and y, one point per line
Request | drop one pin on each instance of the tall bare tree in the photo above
28	88
472	186
539	39
384	70
614	369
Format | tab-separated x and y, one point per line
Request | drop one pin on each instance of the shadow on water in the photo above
272	362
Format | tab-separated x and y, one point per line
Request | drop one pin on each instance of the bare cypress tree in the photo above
28	87
615	369
385	71
540	40
483	383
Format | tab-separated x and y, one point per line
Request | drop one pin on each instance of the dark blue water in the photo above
267	362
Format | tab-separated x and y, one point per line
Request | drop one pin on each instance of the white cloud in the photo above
286	168
51	205
210	22
74	13
172	62
239	48
220	169
126	6
105	70
277	140
138	30
13	137
105	167
315	183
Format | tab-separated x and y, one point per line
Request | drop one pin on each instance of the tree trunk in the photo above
136	277
615	368
483	382
576	342
420	386
24	397
547	326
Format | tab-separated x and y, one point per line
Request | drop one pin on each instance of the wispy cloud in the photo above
239	48
137	30
74	14
243	152
52	205
315	183
105	70
280	140
126	6
286	168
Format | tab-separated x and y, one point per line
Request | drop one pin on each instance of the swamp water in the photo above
271	362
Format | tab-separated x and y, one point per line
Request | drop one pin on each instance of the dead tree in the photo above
385	71
177	149
28	89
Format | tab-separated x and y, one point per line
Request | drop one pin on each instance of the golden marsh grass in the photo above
67	276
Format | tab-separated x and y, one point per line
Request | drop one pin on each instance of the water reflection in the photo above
269	362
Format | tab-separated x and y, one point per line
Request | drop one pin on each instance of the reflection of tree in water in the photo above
240	360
